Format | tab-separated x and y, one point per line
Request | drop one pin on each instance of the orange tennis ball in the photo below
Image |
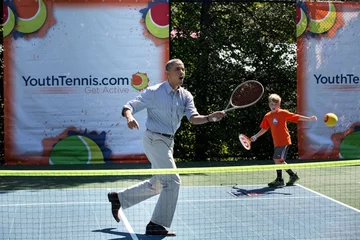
330	119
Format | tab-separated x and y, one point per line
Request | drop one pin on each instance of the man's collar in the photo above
168	88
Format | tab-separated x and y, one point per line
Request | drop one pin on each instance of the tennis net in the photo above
231	202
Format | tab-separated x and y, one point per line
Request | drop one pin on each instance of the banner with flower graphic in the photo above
329	78
70	66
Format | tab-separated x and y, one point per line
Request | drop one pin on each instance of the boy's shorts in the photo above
281	152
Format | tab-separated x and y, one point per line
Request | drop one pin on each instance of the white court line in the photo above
180	201
331	199
127	225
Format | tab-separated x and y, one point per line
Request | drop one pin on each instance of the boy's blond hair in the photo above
274	98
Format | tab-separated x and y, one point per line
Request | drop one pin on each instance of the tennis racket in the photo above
245	141
245	95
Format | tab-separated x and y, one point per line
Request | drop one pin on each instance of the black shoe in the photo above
115	205
293	179
155	229
277	183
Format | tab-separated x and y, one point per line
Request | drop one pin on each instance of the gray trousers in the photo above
159	151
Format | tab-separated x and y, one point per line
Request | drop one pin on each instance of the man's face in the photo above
176	74
274	106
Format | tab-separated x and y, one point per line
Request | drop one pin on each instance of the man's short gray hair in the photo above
170	63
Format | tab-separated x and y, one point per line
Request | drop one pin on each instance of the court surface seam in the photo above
180	201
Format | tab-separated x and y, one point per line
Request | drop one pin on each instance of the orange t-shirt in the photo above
277	123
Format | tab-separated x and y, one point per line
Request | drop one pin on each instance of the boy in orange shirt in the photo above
276	120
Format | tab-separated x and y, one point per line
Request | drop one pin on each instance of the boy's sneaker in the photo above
278	182
293	179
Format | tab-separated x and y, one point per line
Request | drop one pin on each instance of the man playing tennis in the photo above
276	120
166	104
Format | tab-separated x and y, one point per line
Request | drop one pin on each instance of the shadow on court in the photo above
237	191
125	235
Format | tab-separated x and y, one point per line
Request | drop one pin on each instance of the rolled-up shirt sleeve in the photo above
140	102
190	109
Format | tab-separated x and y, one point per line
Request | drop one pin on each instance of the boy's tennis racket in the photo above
245	95
245	141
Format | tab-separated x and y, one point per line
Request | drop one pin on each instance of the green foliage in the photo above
223	44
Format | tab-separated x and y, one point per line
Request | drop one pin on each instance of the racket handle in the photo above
229	109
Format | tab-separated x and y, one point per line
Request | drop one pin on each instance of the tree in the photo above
223	44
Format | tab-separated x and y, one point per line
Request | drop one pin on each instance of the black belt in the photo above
163	134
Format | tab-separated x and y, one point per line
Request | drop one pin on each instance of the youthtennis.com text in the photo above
68	81
337	79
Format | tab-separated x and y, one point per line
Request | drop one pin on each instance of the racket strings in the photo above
247	94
